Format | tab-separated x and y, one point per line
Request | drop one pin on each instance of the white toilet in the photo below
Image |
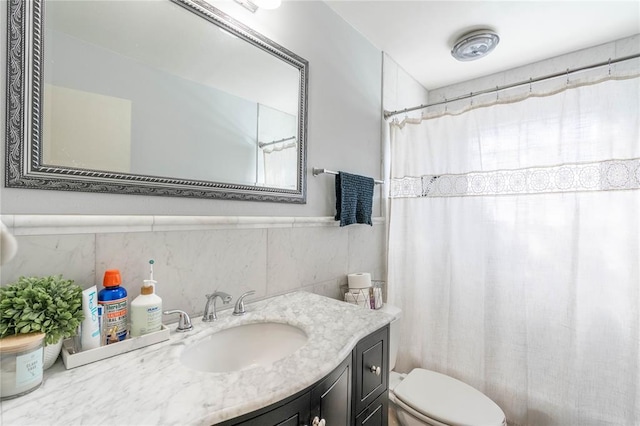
424	397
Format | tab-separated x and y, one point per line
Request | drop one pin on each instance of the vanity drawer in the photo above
376	414
371	361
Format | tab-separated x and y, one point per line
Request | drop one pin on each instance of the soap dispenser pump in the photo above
146	309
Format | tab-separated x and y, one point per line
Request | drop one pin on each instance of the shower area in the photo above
514	240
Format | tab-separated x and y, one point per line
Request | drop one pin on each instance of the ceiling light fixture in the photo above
253	5
475	45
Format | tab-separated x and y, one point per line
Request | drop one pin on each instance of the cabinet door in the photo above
294	413
371	368
331	398
376	414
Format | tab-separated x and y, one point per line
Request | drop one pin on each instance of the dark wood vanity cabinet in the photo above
331	398
292	413
371	379
355	393
376	414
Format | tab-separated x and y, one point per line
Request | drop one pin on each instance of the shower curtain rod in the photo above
263	144
388	114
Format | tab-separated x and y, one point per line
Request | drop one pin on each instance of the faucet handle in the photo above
239	308
184	323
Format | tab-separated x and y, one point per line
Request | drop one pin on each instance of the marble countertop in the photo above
150	386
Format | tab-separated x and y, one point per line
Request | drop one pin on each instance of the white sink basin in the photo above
243	347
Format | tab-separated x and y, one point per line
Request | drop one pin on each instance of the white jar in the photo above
21	359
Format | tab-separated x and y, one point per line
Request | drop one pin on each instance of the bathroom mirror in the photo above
169	97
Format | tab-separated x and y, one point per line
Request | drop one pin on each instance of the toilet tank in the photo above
394	332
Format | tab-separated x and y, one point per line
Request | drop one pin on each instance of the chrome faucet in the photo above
239	308
210	307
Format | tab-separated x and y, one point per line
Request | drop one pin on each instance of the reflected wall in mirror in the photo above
152	97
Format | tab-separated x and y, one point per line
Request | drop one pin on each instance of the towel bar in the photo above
317	172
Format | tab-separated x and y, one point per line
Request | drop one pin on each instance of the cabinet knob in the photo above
318	422
375	370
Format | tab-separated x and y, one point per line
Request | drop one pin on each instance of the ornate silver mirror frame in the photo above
24	166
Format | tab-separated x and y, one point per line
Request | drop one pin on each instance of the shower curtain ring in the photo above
497	93
445	105
567	76
471	97
609	67
530	84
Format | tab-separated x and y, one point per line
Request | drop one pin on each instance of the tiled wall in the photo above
198	255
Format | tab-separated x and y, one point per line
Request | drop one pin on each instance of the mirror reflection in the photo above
277	142
171	90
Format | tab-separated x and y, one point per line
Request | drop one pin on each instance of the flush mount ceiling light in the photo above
253	5
475	45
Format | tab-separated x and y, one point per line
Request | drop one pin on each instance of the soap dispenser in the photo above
146	309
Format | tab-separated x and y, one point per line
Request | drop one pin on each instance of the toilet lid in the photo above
447	400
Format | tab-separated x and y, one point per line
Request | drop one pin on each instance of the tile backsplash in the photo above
195	256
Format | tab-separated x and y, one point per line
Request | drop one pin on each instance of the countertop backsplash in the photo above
196	255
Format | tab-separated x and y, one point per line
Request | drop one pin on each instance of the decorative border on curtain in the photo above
596	176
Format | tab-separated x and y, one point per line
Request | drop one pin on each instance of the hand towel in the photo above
354	199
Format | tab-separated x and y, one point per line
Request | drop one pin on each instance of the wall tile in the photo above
299	257
73	256
188	264
367	250
330	288
271	256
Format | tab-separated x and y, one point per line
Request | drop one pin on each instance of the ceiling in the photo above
419	34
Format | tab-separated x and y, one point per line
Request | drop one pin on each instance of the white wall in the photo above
400	90
343	133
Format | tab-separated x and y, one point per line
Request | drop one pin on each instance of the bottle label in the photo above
116	317
154	320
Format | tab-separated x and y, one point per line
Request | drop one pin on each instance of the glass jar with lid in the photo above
21	358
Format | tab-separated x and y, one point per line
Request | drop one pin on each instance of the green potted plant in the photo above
51	305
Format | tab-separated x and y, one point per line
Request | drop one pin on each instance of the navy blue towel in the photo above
354	198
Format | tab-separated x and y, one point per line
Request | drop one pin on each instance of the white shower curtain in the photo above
514	252
280	165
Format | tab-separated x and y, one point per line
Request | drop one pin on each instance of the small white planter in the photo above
51	353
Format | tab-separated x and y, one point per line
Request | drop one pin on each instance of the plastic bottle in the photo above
114	299
146	309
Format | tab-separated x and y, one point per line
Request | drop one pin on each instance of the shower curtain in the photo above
514	251
280	165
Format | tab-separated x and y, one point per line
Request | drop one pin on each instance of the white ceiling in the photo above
419	34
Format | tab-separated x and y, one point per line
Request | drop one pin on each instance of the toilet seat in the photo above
441	399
